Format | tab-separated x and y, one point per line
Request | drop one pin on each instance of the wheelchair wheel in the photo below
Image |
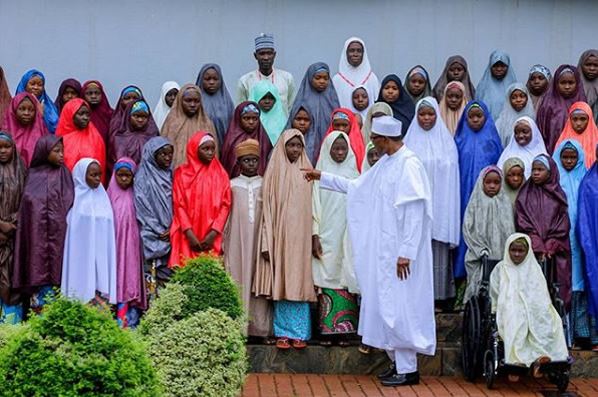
471	341
489	369
561	381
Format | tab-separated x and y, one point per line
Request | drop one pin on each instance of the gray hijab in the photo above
218	106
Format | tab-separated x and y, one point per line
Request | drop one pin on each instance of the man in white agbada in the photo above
389	211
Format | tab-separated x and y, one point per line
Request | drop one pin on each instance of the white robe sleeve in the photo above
410	217
334	182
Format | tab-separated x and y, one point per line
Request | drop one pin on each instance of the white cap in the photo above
386	126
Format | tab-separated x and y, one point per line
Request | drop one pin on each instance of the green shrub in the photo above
164	311
7	331
73	350
207	285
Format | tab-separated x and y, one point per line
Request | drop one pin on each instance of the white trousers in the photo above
405	360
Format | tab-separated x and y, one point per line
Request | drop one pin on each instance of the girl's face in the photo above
515	177
93	95
537	83
267	102
518	100
301	121
163	156
456	72
320	81
56	156
391	92
492	182
517	252
476	118
426	118
416	84
249	122
339	150
523	134
191	103
35	86
82	117
139	120
206	152
6	151
171	96
93	175
211	81
341	125
569	159
129	97
499	70
579	122
360	99
124	178
26	112
589	67
68	94
249	165
567	85
373	157
540	173
454	98
294	148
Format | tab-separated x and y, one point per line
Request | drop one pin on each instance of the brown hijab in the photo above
443	80
286	228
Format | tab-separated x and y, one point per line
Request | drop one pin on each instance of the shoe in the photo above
388	372
402	379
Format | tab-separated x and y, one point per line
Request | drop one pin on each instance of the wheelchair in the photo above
482	351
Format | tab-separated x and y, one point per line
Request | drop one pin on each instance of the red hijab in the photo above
102	113
354	134
587	139
201	198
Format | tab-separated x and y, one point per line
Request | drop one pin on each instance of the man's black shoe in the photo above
388	372
402	379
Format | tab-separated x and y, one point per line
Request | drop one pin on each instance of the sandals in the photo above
536	366
298	344
364	349
269	341
326	343
283	344
344	343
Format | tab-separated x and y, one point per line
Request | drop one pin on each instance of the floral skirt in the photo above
338	312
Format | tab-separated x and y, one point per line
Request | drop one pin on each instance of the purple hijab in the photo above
72	83
129	274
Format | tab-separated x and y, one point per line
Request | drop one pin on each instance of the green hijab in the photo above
275	120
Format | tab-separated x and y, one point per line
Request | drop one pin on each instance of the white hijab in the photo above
89	262
527	321
437	151
349	77
162	109
526	153
508	115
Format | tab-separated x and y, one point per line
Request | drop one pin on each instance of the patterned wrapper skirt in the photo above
338	312
292	320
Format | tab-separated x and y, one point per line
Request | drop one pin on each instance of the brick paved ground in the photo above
297	385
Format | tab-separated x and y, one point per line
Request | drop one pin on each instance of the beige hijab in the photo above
451	117
286	228
179	128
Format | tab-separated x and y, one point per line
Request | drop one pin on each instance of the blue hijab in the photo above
477	150
570	181
587	231
50	111
493	91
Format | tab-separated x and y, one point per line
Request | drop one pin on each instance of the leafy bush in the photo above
164	311
73	350
206	285
7	331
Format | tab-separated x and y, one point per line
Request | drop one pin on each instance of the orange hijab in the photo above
355	136
201	199
588	139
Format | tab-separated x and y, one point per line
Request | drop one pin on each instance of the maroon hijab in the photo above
236	134
39	240
4	95
102	113
541	213
72	83
554	109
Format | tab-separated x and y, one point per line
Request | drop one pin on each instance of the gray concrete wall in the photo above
149	42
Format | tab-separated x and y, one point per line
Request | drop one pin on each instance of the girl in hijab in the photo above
25	123
392	93
538	82
128	94
344	120
479	146
12	181
541	213
354	70
514	175
201	198
434	145
33	82
153	206
565	89
217	102
101	112
371	157
417	83
41	224
272	112
332	261
318	94
588	63
569	159
89	262
185	119
376	110
168	93
580	127
587	230
80	137
69	89
284	268
528	323
5	97
455	69
130	288
487	224
129	138
499	75
361	101
517	105
525	143
453	104
245	125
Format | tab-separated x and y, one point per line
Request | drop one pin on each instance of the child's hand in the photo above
403	268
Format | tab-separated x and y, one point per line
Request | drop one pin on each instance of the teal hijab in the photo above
273	121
